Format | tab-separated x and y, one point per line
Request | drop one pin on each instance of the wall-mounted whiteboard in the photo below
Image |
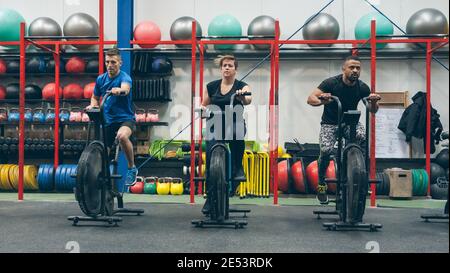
390	141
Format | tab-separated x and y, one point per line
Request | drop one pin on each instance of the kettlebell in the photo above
38	115
140	115
64	114
152	115
28	115
3	114
75	114
176	187
138	186
150	185
84	117
50	116
163	185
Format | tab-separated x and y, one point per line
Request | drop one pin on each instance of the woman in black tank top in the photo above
217	95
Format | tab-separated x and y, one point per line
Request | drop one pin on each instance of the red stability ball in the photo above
283	176
147	30
48	92
298	177
312	175
88	90
75	65
73	91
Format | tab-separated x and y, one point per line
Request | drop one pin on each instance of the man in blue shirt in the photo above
119	114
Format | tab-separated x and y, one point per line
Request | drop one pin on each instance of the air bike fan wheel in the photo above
92	190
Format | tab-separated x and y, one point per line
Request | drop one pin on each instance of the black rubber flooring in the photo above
33	226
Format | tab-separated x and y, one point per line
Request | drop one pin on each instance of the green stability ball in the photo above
224	25
383	27
10	25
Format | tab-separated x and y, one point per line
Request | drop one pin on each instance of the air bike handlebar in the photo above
206	113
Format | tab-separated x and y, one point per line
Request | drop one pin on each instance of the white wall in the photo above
297	78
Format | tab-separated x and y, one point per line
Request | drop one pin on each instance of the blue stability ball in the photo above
383	27
224	25
10	25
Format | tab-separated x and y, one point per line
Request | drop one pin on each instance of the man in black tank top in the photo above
217	95
350	90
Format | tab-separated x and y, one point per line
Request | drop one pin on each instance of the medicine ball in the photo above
2	66
73	91
161	65
2	92
75	65
33	91
13	66
88	90
442	158
92	66
48	92
436	171
50	66
439	190
35	65
12	91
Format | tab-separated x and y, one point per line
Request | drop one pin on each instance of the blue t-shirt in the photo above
117	108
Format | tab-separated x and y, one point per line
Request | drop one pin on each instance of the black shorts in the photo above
113	128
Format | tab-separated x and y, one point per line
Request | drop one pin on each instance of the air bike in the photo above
352	175
96	174
220	180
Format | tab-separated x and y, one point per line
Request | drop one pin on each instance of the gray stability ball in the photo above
263	25
80	24
322	27
427	21
181	29
44	26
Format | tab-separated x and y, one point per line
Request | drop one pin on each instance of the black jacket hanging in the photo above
413	122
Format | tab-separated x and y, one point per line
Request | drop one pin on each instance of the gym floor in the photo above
39	224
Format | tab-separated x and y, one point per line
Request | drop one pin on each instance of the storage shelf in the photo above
15	123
